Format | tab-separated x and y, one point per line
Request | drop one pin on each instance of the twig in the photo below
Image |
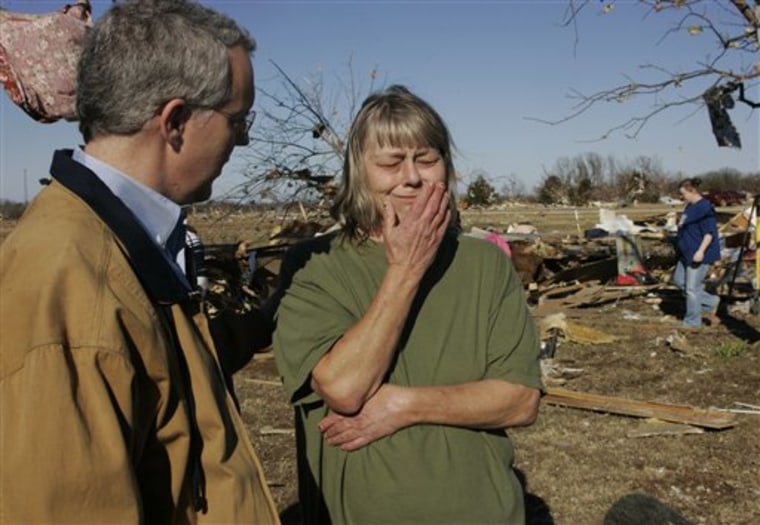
262	382
266	431
742	408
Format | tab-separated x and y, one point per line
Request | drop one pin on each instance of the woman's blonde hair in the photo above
393	117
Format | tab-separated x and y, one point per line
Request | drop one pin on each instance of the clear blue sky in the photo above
485	65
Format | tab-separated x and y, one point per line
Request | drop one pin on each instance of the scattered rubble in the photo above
615	260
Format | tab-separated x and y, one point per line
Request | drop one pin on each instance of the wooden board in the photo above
617	405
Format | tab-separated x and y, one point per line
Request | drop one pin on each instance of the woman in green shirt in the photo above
406	349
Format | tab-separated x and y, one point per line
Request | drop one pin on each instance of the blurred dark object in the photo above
596	233
549	348
38	59
237	335
719	100
233	303
642	509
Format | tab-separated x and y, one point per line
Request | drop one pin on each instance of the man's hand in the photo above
381	416
412	241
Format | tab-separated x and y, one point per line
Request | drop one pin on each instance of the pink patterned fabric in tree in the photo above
38	59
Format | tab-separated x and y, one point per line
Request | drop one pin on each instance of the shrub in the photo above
552	191
732	349
10	210
480	192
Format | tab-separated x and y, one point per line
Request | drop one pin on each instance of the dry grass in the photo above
576	464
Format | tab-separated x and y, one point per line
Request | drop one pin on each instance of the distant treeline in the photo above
587	179
577	181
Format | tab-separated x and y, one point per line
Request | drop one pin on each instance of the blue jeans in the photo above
690	281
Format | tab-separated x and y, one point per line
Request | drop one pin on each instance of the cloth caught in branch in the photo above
718	101
38	59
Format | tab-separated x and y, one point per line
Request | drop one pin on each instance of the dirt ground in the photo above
578	464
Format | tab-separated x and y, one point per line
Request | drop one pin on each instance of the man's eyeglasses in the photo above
241	123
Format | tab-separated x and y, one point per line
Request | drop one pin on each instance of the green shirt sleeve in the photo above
513	344
310	319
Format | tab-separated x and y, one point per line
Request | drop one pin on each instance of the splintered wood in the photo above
655	427
701	417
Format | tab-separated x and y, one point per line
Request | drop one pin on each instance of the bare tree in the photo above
734	25
641	181
512	188
590	177
296	154
576	180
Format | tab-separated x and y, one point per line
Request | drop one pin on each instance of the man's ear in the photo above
173	121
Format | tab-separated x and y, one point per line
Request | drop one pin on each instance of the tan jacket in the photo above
96	415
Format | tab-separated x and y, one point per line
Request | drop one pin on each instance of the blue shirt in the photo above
158	215
698	220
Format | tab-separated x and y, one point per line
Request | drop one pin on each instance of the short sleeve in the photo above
513	344
310	319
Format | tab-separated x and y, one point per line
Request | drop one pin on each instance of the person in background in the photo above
697	247
406	349
113	408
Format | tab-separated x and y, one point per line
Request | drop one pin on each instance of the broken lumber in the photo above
701	417
655	427
591	293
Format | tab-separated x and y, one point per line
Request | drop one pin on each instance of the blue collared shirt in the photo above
158	215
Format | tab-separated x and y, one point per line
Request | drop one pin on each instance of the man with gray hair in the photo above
113	406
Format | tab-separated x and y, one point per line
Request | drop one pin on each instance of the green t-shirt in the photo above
469	322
